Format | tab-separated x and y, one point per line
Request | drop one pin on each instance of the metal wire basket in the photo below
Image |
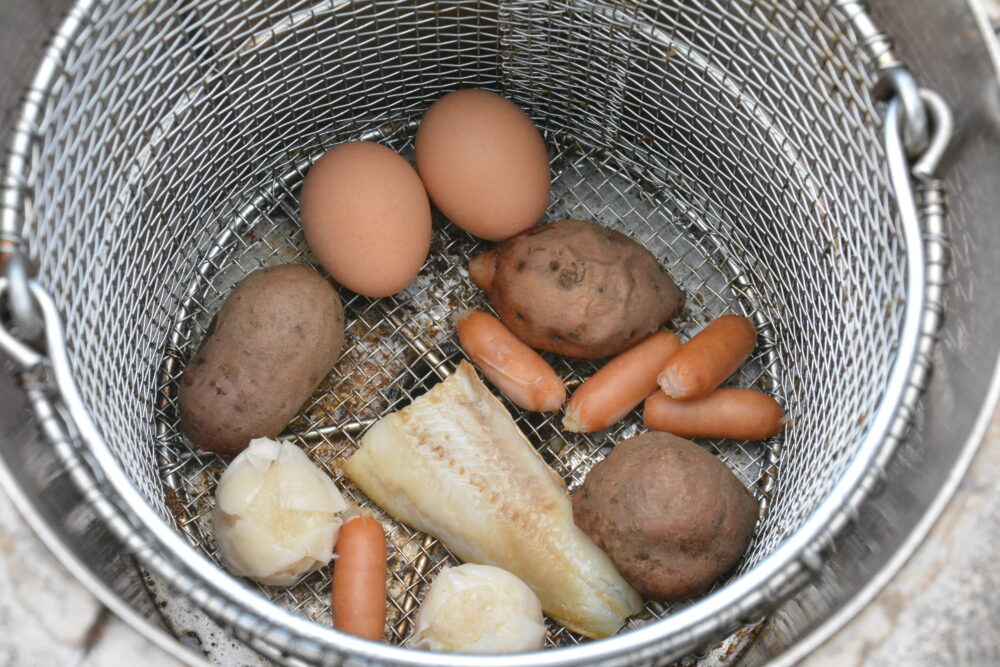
159	157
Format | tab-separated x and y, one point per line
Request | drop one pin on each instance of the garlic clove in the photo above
238	486
519	633
251	551
312	493
277	515
479	609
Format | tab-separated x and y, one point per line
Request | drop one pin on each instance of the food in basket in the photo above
366	217
484	163
272	342
711	356
740	414
620	385
359	577
483	268
577	289
454	464
515	369
672	517
276	514
479	609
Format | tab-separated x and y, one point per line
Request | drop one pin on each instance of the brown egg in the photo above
366	217
484	163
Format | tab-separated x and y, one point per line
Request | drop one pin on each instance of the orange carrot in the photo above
515	369
740	414
620	385
359	572
711	356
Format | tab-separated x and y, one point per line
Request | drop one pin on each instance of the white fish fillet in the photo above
453	464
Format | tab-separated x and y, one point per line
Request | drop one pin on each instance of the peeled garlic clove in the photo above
277	515
479	609
249	548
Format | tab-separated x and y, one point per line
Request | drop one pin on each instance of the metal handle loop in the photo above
23	310
23	354
927	164
898	83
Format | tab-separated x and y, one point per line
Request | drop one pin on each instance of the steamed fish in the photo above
453	464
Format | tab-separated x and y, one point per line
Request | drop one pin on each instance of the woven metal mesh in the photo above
736	140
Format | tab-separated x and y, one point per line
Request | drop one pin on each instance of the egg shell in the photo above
366	217
484	163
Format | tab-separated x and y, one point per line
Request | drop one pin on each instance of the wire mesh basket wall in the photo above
738	141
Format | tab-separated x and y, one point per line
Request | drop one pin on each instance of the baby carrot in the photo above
620	385
740	414
359	594
711	356
515	369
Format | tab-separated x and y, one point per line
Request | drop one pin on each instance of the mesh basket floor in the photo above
398	347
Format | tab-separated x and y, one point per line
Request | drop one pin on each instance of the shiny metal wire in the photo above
738	140
400	346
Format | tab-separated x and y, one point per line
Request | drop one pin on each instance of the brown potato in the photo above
270	345
577	289
672	517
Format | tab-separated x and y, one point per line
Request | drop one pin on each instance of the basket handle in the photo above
36	344
921	201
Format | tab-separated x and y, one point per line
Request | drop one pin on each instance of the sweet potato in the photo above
672	517
577	289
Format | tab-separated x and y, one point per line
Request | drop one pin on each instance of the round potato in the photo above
672	517
269	346
577	289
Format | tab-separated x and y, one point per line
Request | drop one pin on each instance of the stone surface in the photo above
48	618
121	646
942	608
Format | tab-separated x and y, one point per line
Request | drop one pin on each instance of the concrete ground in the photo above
942	608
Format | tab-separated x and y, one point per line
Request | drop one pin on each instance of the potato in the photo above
577	289
269	346
672	517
